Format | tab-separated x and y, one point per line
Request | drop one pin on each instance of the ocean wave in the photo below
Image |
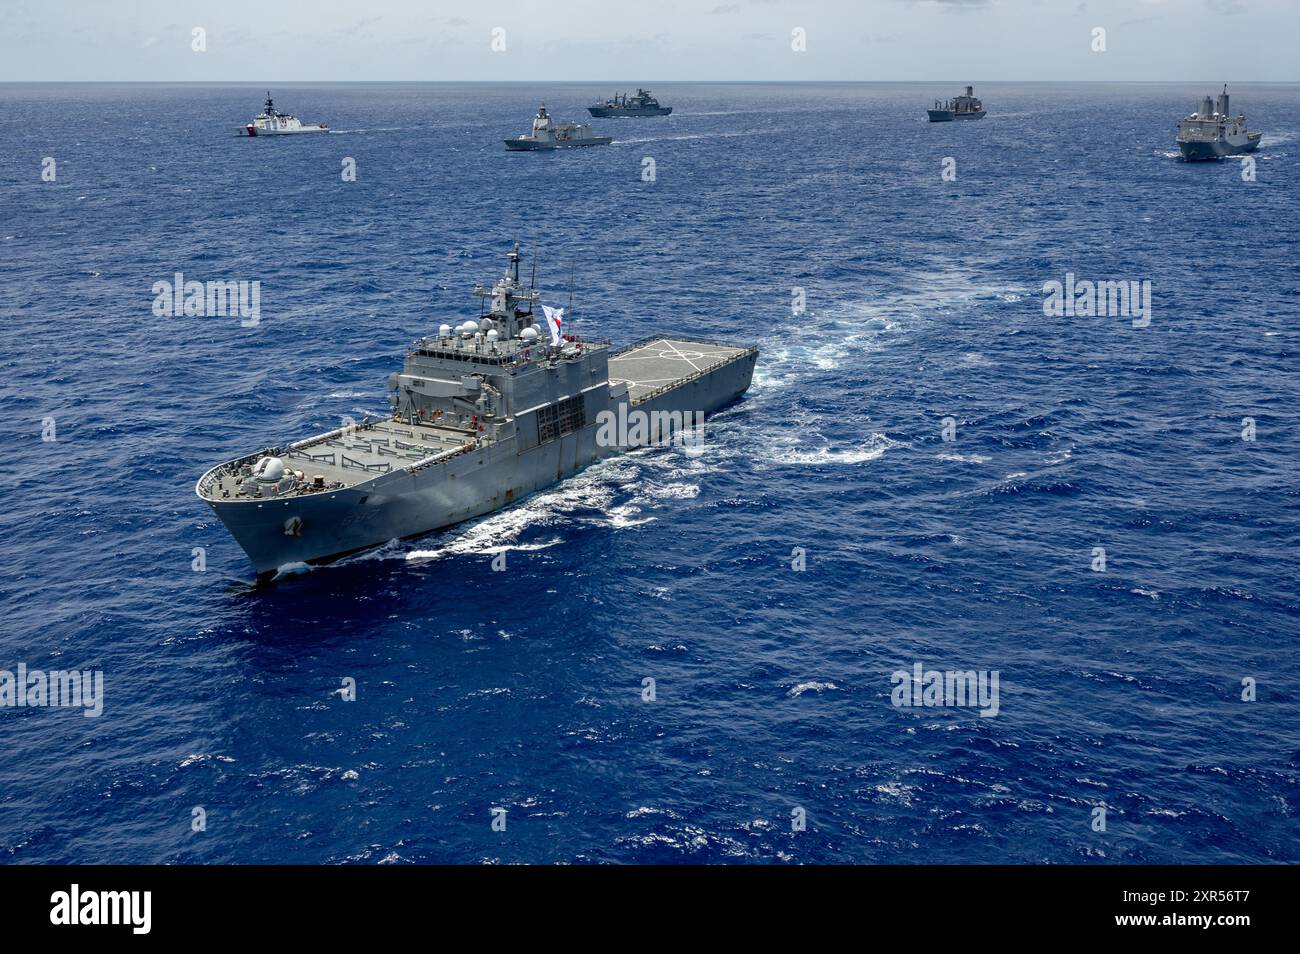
794	450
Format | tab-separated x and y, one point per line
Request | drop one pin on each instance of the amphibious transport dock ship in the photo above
1212	132
965	106
482	415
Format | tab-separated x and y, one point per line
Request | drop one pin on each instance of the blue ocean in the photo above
929	470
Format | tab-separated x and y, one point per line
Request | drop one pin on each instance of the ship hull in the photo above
947	115
252	132
1218	149
527	145
321	528
607	112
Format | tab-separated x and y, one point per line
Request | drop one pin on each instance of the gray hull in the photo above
947	115
409	503
525	145
1217	149
609	112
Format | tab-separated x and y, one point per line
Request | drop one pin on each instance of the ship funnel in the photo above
1207	108
970	90
1223	102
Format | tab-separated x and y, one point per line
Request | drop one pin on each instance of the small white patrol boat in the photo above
271	122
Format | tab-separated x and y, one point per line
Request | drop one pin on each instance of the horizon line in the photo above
666	82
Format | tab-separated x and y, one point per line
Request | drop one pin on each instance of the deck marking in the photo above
682	356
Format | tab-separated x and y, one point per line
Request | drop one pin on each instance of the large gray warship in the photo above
642	104
1212	132
965	106
483	415
547	134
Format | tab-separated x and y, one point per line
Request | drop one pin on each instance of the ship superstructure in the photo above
483	413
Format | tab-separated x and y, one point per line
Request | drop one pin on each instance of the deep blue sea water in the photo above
522	689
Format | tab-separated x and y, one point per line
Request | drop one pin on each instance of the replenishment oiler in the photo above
483	414
642	104
965	106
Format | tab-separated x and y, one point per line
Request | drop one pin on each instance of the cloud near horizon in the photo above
577	40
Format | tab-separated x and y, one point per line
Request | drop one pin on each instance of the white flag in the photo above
554	319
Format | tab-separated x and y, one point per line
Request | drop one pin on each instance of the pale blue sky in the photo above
271	40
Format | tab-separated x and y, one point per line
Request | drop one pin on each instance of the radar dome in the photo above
529	334
269	469
444	331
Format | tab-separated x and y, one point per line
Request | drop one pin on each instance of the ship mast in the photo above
507	296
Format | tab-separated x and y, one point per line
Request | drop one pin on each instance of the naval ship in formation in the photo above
642	104
965	106
548	134
271	122
1213	132
483	415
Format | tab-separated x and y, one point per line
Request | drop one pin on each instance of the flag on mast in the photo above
554	320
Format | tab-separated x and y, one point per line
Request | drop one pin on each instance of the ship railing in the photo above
485	354
653	338
207	480
380	468
330	436
314	458
542	351
695	375
440	456
231	468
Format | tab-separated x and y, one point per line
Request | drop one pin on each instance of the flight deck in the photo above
659	364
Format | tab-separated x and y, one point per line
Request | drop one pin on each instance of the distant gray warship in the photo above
642	104
1213	132
965	106
548	134
483	415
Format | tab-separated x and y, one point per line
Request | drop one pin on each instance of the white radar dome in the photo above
269	469
529	334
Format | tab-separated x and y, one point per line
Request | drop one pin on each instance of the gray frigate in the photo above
547	134
1212	132
483	414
